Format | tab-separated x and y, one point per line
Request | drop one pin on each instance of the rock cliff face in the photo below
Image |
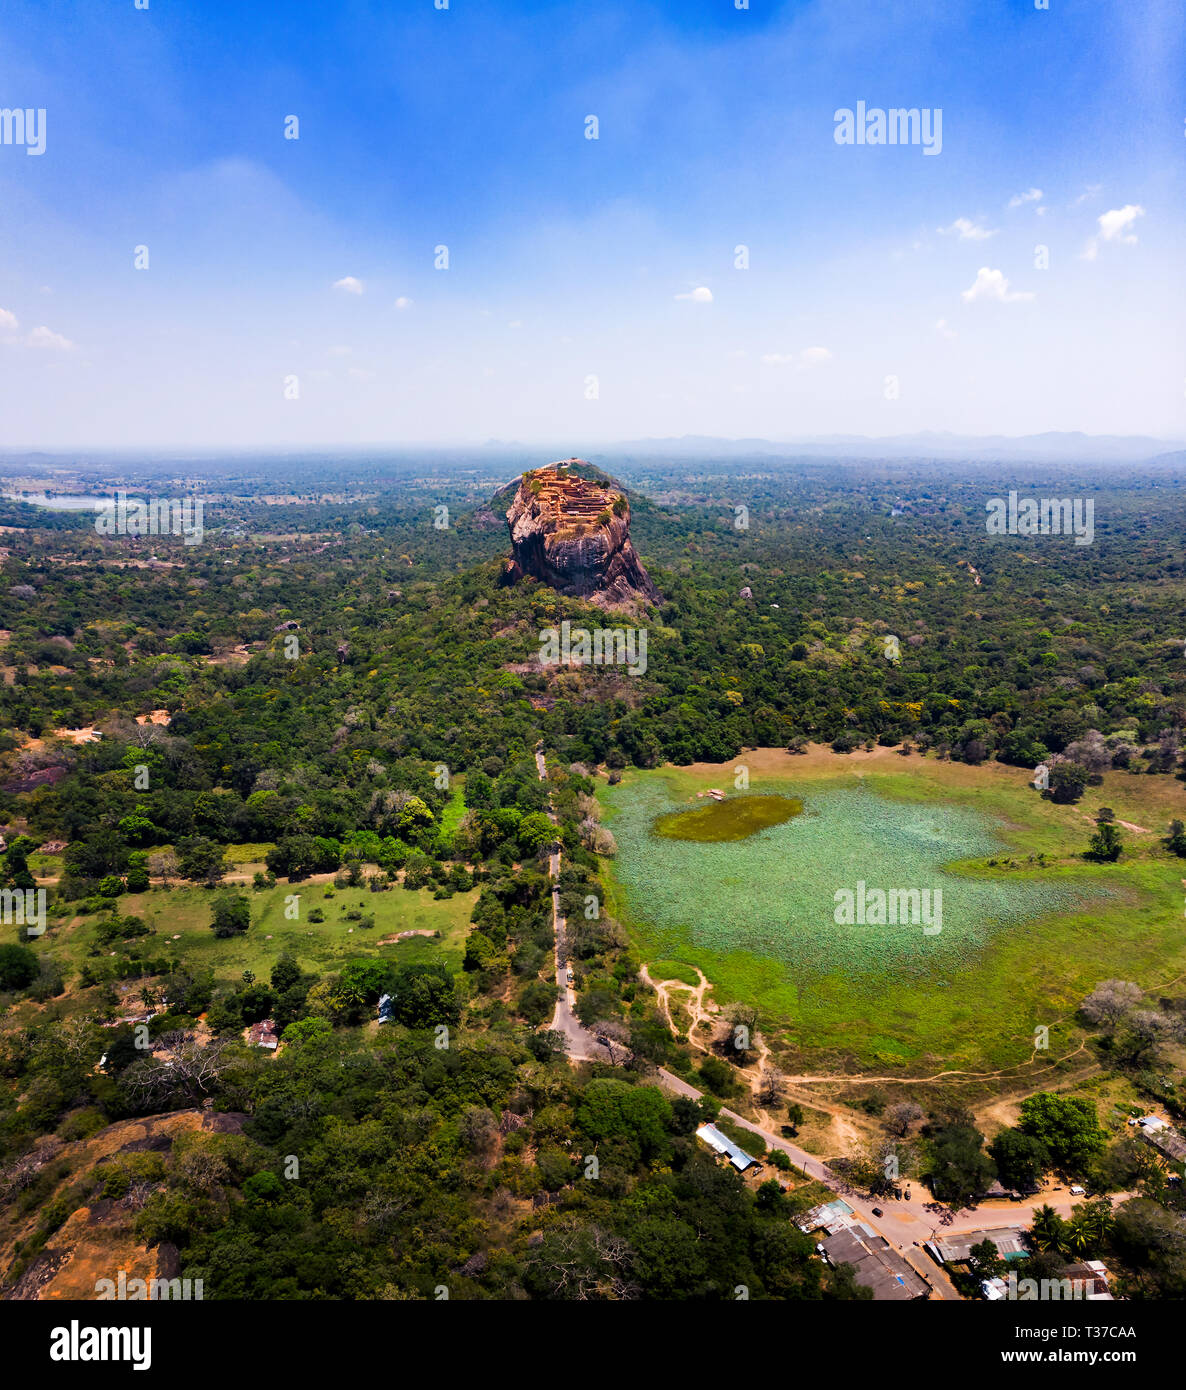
575	535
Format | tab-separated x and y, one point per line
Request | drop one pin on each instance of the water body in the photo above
59	502
760	874
736	818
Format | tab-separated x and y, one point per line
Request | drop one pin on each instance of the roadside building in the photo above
1093	1275
876	1264
726	1148
1168	1142
955	1249
831	1216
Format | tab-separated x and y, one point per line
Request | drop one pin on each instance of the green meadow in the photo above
1020	942
318	946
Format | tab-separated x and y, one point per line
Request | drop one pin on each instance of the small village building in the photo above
263	1034
876	1264
830	1217
726	1148
1093	1275
956	1249
1168	1142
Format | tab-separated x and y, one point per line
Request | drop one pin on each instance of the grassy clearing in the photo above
673	970
1020	946
455	807
318	946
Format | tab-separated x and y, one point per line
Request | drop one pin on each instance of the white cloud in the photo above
340	350
1032	195
43	337
942	328
1115	225
701	295
991	284
515	323
967	231
809	357
1089	192
8	321
348	285
403	302
362	374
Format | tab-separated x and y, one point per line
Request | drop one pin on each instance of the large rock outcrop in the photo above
574	534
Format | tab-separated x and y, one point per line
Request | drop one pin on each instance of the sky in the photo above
176	273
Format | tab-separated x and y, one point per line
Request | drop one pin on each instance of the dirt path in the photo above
694	1002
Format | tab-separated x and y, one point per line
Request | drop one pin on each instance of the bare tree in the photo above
614	1036
163	865
1110	1001
187	1071
478	1130
770	1087
585	1262
898	1118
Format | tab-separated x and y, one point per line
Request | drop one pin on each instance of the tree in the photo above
770	1084
1152	1243
899	1117
958	1169
718	1076
1068	782
424	996
1089	1227
741	1036
1176	839
1021	1159
1106	843
536	831
200	860
18	967
308	1030
164	866
188	1072
795	1116
985	1260
637	1115
1069	1128
1046	1230
1136	1040
232	915
1110	1001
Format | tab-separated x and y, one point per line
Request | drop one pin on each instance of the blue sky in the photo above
572	259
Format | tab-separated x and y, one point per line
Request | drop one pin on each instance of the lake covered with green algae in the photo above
760	873
736	818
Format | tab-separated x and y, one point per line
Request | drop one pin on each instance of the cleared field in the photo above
1020	942
318	946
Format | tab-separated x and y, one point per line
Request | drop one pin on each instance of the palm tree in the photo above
1098	1218
1047	1230
1078	1237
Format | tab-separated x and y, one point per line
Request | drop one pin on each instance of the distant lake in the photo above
59	502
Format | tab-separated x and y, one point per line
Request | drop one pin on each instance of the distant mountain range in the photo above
1054	446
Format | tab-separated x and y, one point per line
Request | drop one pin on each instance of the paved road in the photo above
906	1242
582	1045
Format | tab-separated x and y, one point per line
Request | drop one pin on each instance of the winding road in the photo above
583	1046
